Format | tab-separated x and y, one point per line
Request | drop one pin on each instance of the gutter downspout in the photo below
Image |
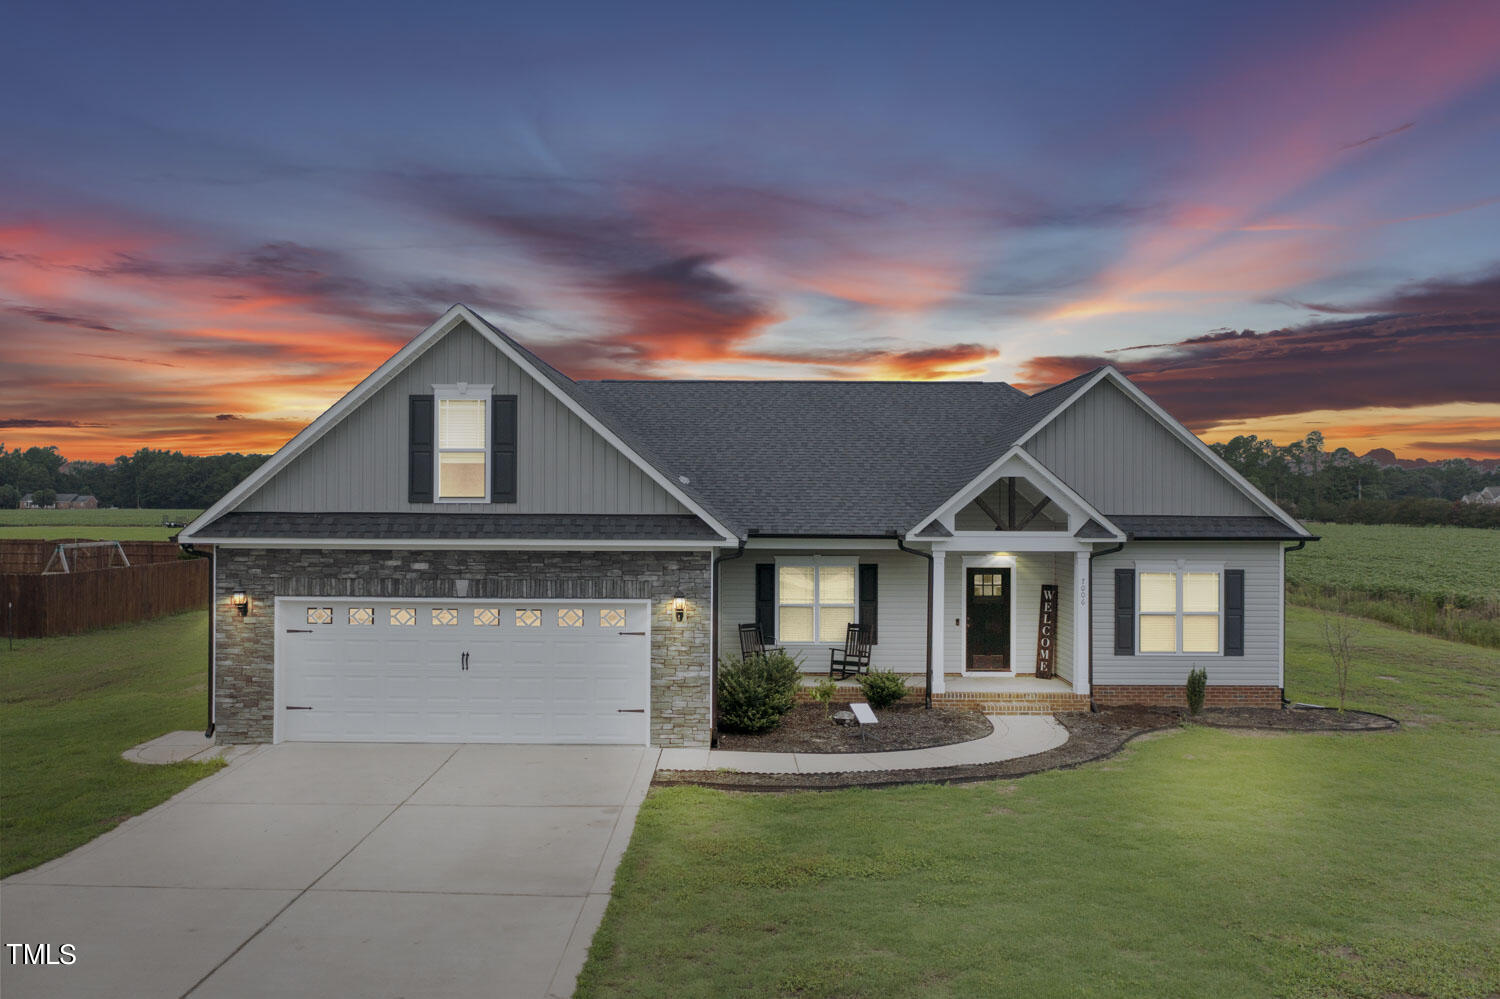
213	577
928	556
1093	555
1284	552
713	646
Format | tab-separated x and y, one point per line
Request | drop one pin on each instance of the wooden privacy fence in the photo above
28	555
68	603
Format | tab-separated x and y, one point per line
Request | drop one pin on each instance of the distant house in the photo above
76	501
27	503
1488	496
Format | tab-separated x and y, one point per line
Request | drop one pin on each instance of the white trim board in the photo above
374	381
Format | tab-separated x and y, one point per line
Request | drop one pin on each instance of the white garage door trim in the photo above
288	612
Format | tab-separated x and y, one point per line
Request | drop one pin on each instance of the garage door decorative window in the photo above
320	615
528	619
361	615
569	617
487	617
402	617
443	617
611	618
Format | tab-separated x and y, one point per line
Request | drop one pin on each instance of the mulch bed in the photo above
808	729
1091	736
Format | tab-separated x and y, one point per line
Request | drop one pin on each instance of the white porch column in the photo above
939	579
1081	635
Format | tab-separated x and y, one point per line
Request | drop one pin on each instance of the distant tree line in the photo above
1341	487
148	479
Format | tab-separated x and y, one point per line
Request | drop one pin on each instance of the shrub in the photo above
755	692
882	687
823	692
1197	686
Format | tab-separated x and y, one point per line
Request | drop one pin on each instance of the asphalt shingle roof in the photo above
1164	528
250	525
827	458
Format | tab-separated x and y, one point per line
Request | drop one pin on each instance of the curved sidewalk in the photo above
1014	736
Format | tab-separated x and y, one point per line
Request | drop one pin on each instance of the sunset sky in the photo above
1276	217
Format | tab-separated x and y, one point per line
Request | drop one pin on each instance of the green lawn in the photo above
1197	863
68	708
103	525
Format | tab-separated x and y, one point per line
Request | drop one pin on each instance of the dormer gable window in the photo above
462	454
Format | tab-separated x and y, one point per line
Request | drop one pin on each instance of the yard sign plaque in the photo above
1046	632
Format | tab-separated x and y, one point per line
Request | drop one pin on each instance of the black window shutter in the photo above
869	584
503	449
419	437
1234	612
765	601
1124	612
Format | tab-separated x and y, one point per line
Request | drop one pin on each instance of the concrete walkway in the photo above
343	870
1014	736
175	747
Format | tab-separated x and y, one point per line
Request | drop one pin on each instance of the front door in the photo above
989	619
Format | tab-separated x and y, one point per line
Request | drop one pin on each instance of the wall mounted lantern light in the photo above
241	601
679	605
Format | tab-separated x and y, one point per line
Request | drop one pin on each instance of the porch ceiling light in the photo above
679	605
241	601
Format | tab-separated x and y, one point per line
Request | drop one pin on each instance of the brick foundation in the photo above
244	668
1168	695
991	702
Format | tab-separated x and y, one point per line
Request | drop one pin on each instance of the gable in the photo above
563	464
1011	500
1122	460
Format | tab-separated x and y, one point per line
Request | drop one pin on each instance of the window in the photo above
403	617
611	618
528	619
487	617
444	617
320	615
815	599
361	615
569	617
462	442
1179	611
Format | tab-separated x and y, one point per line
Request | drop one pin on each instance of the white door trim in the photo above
985	562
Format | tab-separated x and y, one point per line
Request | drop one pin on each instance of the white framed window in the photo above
1179	610
462	456
816	599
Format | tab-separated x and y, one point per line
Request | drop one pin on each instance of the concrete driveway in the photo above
343	870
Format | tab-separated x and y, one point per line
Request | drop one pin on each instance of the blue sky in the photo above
216	218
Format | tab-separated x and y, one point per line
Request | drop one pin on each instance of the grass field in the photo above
1197	863
1441	581
102	525
69	707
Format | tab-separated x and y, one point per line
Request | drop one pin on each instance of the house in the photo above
1489	496
76	501
471	546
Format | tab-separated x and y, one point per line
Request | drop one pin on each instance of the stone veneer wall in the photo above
244	668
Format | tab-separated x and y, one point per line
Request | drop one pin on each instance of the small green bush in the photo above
823	692
1197	686
882	687
755	692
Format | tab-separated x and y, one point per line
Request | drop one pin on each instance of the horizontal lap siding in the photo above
1030	573
1122	460
1261	663
563	466
901	601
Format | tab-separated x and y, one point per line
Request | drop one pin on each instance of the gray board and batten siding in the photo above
1122	460
563	465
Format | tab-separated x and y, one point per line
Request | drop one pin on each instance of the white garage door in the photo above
463	671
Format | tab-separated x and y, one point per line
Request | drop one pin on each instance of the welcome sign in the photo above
1046	631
